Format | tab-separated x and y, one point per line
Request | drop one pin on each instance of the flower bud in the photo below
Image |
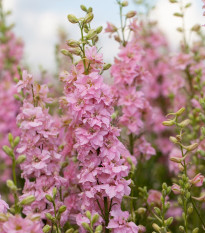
117	38
196	230
49	198
196	28
173	139
10	184
131	14
124	3
169	221
180	111
91	34
157	210
10	138
191	147
190	209
54	191
107	66
184	123
28	200
46	228
98	229
141	211
99	29
16	141
66	52
168	123
88	17
86	226
88	214
156	227
21	159
95	219
90	9
8	151
178	14
72	19
181	229
176	159
83	8
173	1
62	209
73	43
70	230
50	217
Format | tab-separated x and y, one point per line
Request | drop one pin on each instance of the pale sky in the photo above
37	22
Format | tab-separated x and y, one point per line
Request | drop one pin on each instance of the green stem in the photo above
197	212
83	47
15	182
131	141
122	27
55	216
107	213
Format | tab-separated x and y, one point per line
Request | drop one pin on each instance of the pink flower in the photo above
110	28
3	206
16	224
26	81
198	180
154	197
119	223
176	189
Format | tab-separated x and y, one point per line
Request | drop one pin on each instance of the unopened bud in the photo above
184	123
173	139
180	111
10	138
62	209
169	221
72	19
28	200
130	14
196	28
70	230
98	229
8	151
95	218
107	66
83	8
91	34
88	17
124	3
88	214
86	226
156	227
141	210
181	228
16	141
191	147
10	184
3	217
196	230
99	29
49	198
73	43
176	159
168	123
54	191
50	217
46	228
21	159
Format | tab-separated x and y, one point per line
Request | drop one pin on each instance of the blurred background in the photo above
38	23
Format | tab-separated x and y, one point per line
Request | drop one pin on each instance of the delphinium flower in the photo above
11	51
102	157
39	143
